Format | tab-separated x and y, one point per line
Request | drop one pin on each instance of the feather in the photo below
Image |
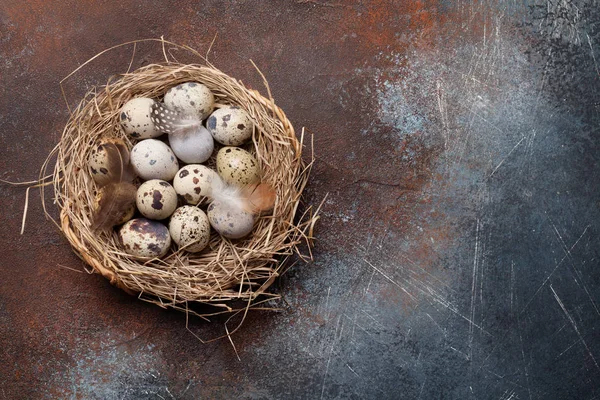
253	198
259	198
113	202
172	121
118	165
225	193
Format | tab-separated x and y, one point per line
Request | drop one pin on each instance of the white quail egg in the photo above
194	146
191	97
230	125
144	238
194	182
230	222
152	159
237	167
156	199
135	119
189	228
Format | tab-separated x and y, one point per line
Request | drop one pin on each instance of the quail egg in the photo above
135	119
144	238
191	97
237	167
98	160
156	199
194	182
230	126
230	222
189	228
195	146
152	159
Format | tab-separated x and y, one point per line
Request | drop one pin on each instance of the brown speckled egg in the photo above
189	228
191	97
98	161
135	119
144	238
237	167
230	222
230	125
194	182
152	159
156	199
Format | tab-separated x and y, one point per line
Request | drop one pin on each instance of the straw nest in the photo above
227	270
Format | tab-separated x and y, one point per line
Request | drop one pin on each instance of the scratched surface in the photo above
458	251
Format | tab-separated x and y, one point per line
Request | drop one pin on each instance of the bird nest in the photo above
230	275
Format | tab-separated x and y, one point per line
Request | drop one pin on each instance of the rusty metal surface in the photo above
458	253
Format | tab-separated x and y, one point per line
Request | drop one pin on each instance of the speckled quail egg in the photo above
195	146
126	214
152	159
191	97
144	238
156	199
135	119
237	167
230	222
230	126
98	161
194	182
189	228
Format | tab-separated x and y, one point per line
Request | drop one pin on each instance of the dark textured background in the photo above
458	251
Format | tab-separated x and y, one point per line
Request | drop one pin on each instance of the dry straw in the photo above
228	271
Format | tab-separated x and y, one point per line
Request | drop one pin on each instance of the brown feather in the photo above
113	202
118	165
258	198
